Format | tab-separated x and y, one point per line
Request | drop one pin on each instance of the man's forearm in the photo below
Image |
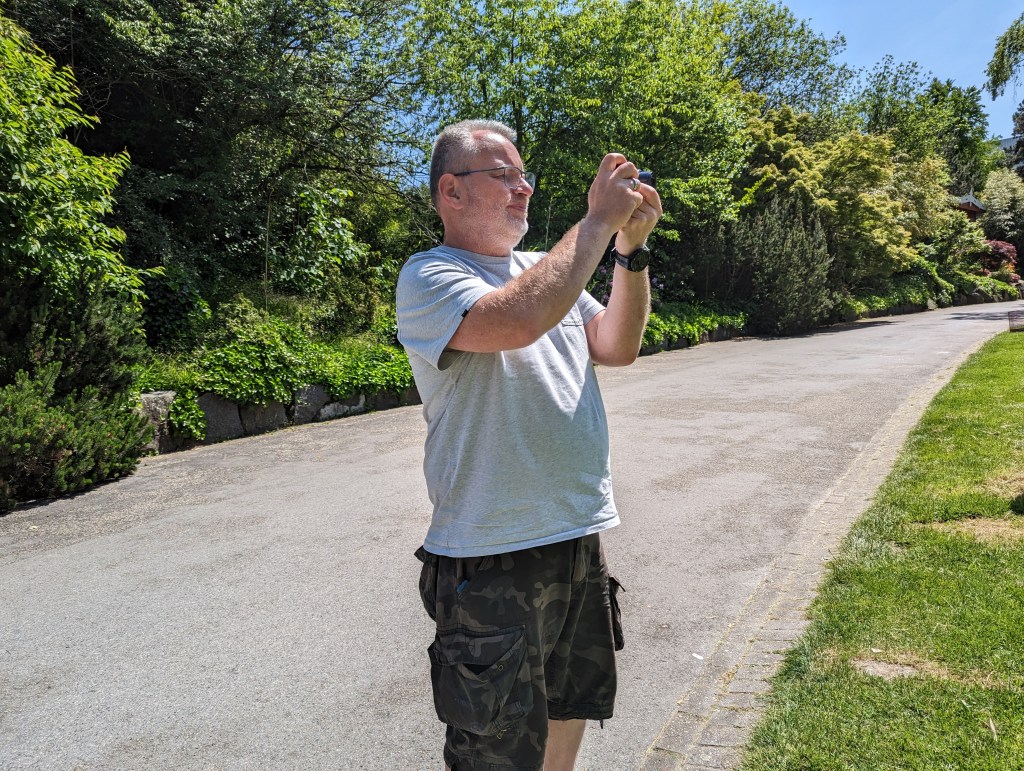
533	302
547	291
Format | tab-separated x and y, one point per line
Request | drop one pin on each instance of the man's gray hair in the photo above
455	142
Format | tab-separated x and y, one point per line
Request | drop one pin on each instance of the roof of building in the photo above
969	201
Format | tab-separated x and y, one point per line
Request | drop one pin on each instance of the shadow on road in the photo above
989	316
834	329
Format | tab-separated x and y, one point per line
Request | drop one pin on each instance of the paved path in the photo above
252	604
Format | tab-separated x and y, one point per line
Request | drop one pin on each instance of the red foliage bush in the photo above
1003	255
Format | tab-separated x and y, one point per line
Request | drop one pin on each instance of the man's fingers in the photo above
612	161
652	196
625	170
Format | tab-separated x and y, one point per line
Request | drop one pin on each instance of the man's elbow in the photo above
621	357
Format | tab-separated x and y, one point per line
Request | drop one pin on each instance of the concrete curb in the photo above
713	720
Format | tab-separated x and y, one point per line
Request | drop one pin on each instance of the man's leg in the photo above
564	740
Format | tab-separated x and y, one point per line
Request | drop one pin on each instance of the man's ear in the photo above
449	191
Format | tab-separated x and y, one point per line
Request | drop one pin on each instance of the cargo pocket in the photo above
428	581
613	595
478	679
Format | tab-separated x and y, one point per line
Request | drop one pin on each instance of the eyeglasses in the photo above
514	176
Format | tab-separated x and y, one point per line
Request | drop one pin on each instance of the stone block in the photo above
260	418
715	757
410	396
680	732
156	406
354	405
222	418
660	760
309	400
723	736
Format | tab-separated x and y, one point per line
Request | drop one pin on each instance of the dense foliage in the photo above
1003	197
1007	59
249	124
69	318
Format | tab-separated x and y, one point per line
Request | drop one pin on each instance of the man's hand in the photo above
633	234
612	200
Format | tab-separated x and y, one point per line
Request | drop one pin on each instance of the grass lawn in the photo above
915	655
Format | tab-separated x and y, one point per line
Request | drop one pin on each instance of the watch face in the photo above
639	260
635	261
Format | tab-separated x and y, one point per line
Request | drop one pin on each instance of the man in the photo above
502	345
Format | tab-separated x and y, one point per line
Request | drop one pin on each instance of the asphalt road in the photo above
253	604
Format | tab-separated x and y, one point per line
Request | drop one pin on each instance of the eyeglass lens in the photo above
514	177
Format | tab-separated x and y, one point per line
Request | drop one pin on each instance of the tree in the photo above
69	334
579	79
961	133
1006	59
890	102
779	57
868	240
925	118
248	122
1014	155
790	266
870	206
1003	197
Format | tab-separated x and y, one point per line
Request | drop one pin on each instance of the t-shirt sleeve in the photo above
588	307
434	293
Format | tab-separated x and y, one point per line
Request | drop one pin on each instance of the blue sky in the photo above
952	40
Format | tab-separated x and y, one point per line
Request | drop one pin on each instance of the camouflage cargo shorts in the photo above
521	637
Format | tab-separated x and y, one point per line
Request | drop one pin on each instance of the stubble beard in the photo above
503	226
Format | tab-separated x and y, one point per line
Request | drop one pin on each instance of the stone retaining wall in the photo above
227	420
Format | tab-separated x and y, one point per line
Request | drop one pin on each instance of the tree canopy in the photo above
280	145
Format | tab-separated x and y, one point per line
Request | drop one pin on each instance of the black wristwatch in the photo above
634	261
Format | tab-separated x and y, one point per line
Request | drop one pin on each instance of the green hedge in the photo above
916	288
255	358
672	324
53	445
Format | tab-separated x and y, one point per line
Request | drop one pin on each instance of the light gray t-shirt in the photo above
517	441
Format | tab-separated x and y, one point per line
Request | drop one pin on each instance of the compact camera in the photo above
647	177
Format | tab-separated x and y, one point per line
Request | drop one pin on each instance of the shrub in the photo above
913	289
1003	197
988	287
673	323
252	358
51	446
1001	255
955	243
362	367
176	315
69	314
791	267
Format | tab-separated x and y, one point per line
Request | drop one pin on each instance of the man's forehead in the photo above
488	142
